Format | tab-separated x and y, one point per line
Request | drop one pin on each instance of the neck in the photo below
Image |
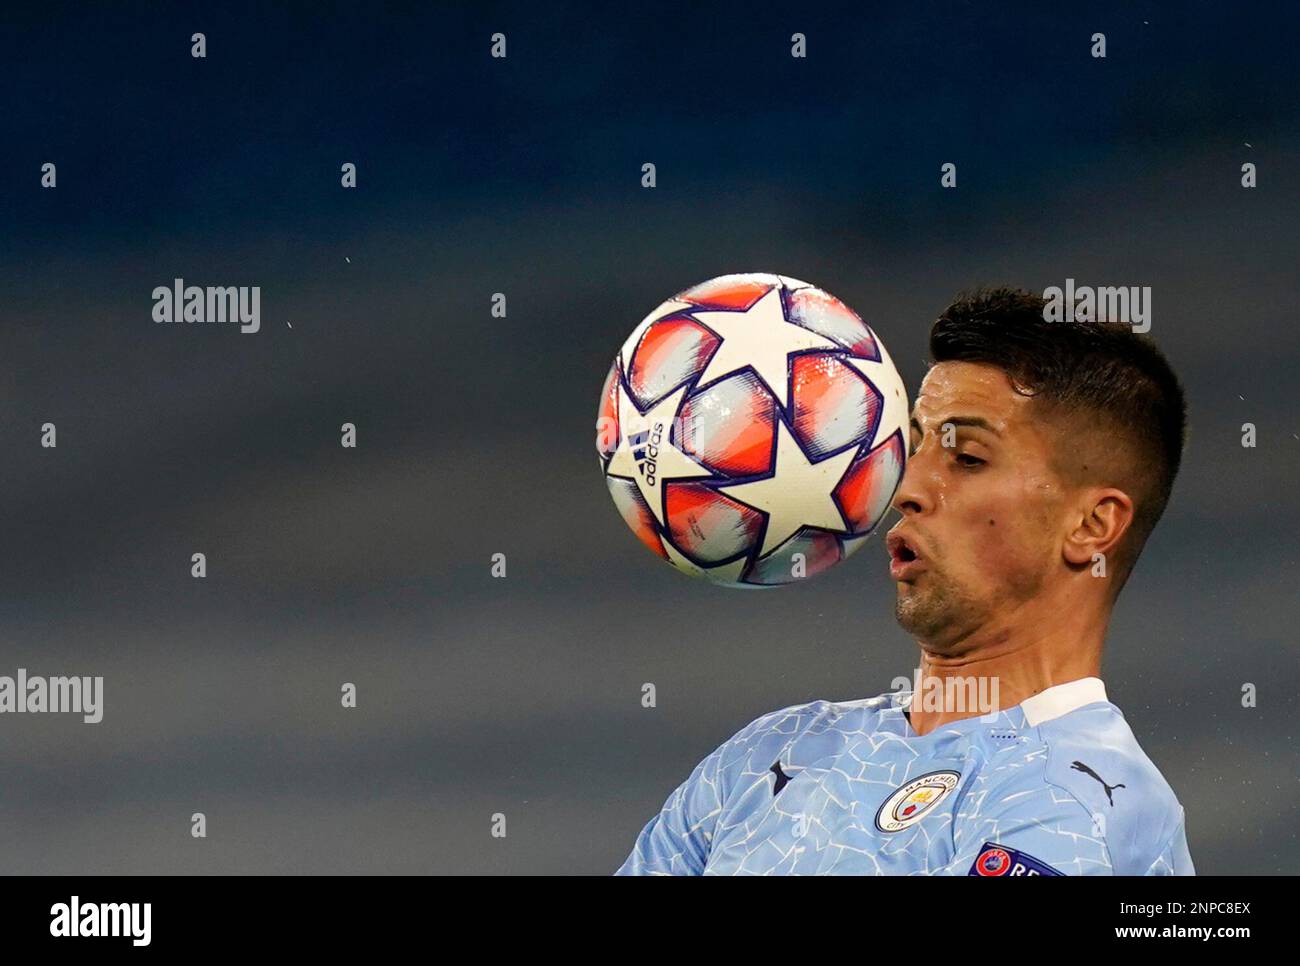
1038	645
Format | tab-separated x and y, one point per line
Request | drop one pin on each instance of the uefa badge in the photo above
993	861
998	860
913	801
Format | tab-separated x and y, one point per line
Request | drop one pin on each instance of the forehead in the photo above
952	389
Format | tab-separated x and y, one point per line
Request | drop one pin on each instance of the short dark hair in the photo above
1102	371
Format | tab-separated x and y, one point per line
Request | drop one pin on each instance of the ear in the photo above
1105	516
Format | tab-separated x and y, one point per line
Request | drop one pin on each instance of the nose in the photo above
912	495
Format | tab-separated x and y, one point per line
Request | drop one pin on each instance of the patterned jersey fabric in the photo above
1056	785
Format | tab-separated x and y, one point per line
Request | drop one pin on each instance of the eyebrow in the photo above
976	422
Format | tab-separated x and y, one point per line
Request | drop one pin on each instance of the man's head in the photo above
1036	446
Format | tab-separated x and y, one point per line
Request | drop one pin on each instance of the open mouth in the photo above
900	549
903	556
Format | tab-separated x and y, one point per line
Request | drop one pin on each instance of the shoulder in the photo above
771	732
1093	756
789	722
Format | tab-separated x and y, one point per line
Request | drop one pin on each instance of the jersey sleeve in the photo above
1027	828
677	840
1030	827
1174	858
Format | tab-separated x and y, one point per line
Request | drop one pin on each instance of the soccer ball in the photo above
751	430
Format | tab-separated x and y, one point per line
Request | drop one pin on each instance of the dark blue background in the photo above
522	176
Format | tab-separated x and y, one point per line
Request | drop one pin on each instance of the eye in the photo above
965	459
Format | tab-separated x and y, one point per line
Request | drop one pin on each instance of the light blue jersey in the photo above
1056	785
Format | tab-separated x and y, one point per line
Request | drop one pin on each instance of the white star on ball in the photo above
799	494
761	337
669	463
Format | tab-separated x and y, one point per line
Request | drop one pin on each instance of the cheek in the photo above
1007	536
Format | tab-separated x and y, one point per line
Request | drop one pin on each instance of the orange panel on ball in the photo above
869	485
729	292
707	526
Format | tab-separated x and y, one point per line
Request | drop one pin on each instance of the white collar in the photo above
1062	699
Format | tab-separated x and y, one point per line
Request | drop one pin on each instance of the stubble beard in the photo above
935	610
940	613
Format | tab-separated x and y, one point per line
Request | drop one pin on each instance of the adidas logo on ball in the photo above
644	454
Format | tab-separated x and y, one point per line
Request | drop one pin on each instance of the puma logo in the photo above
782	779
1080	766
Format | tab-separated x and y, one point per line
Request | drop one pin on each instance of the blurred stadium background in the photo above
326	565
